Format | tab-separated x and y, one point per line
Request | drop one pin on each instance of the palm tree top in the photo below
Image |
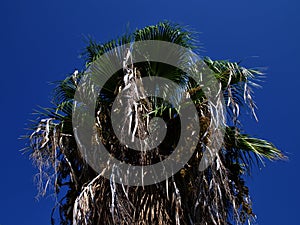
218	195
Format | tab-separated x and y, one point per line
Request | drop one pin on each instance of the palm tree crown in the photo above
216	195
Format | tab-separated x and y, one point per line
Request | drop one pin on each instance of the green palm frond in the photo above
166	31
237	83
65	89
173	33
245	144
94	50
230	73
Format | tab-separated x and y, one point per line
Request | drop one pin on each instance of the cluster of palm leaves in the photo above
216	195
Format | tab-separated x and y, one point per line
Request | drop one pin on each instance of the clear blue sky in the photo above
40	42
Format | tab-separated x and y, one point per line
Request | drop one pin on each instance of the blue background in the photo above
40	42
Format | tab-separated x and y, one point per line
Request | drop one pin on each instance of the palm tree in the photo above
216	195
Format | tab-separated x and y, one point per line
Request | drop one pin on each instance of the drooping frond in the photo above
237	83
